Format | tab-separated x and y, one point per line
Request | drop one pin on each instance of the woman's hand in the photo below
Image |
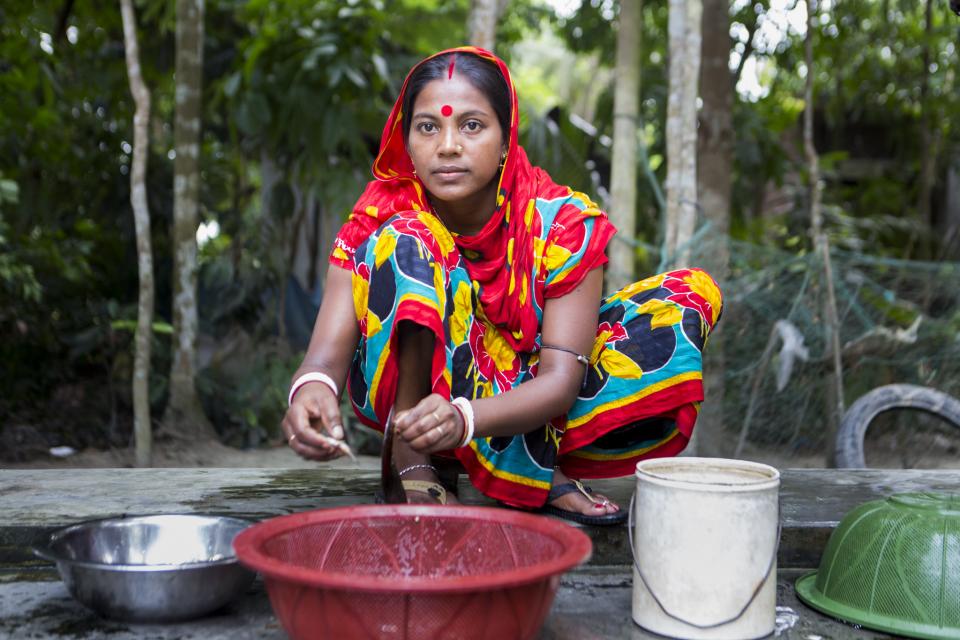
312	419
431	426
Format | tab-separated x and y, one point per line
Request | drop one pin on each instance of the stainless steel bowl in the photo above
151	568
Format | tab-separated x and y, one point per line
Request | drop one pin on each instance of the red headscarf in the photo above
506	291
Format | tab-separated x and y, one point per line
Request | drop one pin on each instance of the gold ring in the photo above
291	439
436	417
439	430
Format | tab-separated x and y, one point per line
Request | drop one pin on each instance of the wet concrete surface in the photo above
34	501
591	604
595	604
46	610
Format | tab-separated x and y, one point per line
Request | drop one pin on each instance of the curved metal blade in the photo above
390	483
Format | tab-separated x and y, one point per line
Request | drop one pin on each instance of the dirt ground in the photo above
214	454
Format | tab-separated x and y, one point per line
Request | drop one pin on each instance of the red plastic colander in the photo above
412	572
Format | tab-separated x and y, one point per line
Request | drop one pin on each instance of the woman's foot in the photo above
578	502
419	477
425	488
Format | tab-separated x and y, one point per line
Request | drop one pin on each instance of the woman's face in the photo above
455	141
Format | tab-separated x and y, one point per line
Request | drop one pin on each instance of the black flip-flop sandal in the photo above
607	519
433	489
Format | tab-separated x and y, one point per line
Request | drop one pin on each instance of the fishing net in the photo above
899	322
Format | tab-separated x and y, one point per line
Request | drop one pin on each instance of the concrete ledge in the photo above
812	501
590	604
35	501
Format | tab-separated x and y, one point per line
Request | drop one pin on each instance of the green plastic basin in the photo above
893	565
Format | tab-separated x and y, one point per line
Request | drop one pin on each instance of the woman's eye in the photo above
426	127
472	125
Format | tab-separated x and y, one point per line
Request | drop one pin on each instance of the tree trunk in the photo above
928	140
623	172
948	246
714	175
142	435
482	23
834	389
681	214
184	418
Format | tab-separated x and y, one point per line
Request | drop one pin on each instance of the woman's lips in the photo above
449	172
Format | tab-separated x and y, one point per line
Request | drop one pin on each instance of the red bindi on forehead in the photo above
446	111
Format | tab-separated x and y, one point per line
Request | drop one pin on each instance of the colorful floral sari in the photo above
482	296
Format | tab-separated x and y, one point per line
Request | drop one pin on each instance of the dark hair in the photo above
484	75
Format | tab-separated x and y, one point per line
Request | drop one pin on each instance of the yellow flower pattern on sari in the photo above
620	366
702	283
384	248
663	315
538	247
633	289
557	256
462	310
438	285
361	291
440	232
498	349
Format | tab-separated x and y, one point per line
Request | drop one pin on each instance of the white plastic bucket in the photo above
705	548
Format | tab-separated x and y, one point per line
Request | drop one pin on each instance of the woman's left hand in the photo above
431	426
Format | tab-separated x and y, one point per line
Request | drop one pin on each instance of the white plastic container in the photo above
705	534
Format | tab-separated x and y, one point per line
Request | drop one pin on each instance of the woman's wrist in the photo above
465	409
312	376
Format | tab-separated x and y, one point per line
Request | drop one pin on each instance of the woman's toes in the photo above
580	504
605	505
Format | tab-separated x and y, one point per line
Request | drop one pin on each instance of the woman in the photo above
462	302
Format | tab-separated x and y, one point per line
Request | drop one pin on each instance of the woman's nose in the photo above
450	142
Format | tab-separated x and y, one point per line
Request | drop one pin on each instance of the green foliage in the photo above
304	84
313	65
131	325
64	120
591	30
869	103
244	391
18	281
295	96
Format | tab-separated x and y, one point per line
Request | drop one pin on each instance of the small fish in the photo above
339	444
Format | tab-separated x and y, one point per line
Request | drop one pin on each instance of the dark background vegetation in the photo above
303	88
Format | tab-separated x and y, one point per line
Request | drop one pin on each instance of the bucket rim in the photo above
645	470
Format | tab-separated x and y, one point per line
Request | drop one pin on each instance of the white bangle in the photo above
469	427
313	376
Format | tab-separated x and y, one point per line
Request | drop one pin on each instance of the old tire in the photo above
853	427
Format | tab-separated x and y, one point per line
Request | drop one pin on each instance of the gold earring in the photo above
503	159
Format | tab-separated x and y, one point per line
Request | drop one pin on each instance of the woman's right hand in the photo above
313	418
314	412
